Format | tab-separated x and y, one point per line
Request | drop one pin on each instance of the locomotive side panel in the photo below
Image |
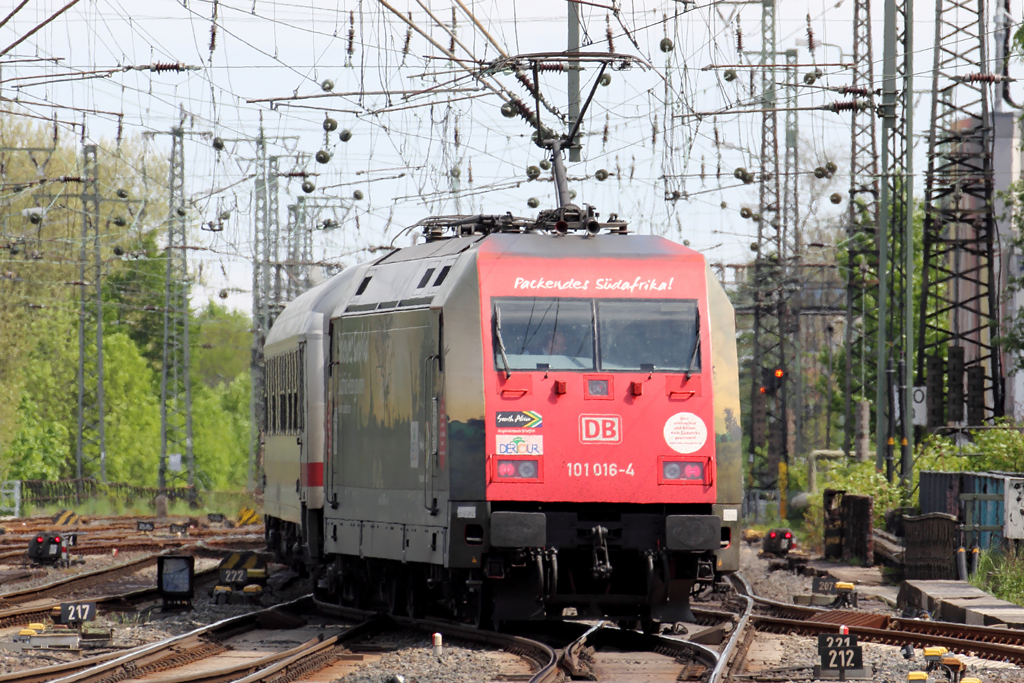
728	434
386	482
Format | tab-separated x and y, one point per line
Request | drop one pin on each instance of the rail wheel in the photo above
398	601
415	599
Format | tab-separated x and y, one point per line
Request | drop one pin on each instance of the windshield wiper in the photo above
693	357
501	342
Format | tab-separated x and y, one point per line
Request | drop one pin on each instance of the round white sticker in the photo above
685	433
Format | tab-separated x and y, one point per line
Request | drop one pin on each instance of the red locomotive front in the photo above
600	428
596	390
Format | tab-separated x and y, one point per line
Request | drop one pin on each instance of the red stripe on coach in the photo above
314	474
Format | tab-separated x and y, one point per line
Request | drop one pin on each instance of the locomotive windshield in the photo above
632	335
555	334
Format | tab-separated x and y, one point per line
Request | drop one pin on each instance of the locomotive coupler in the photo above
602	568
705	571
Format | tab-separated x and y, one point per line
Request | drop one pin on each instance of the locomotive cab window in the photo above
544	334
649	336
632	335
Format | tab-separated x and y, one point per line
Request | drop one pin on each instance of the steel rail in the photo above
984	650
745	593
77	582
122	666
540	654
944	629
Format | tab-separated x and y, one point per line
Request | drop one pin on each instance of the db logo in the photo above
600	428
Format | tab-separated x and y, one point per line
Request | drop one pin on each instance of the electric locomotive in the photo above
514	418
510	419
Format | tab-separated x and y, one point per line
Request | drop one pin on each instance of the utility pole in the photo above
791	224
769	274
265	254
91	441
959	308
300	247
893	393
861	237
175	380
573	75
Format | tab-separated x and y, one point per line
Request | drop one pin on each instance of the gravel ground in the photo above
45	575
772	651
460	663
149	624
887	661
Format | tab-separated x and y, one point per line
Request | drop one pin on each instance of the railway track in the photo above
111	588
979	641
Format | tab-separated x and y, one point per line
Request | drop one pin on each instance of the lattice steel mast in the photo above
895	244
861	237
300	248
769	268
91	441
959	303
792	236
175	379
265	294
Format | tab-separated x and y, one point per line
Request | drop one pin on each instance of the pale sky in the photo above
640	127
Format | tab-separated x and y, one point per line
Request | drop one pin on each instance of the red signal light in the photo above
789	535
56	539
506	469
771	535
763	390
779	372
39	539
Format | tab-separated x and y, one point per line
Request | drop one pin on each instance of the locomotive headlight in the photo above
672	470
528	469
518	469
682	471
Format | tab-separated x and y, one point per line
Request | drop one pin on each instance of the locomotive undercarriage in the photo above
597	566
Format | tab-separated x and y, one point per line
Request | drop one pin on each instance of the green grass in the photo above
1001	573
227	503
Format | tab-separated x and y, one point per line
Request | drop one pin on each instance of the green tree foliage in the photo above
40	286
135	291
225	339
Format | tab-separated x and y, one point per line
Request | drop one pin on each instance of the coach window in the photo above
544	334
648	335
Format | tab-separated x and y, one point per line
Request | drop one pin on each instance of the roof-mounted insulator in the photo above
848	105
848	90
160	67
984	78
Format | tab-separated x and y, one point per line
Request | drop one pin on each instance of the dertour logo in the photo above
519	444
